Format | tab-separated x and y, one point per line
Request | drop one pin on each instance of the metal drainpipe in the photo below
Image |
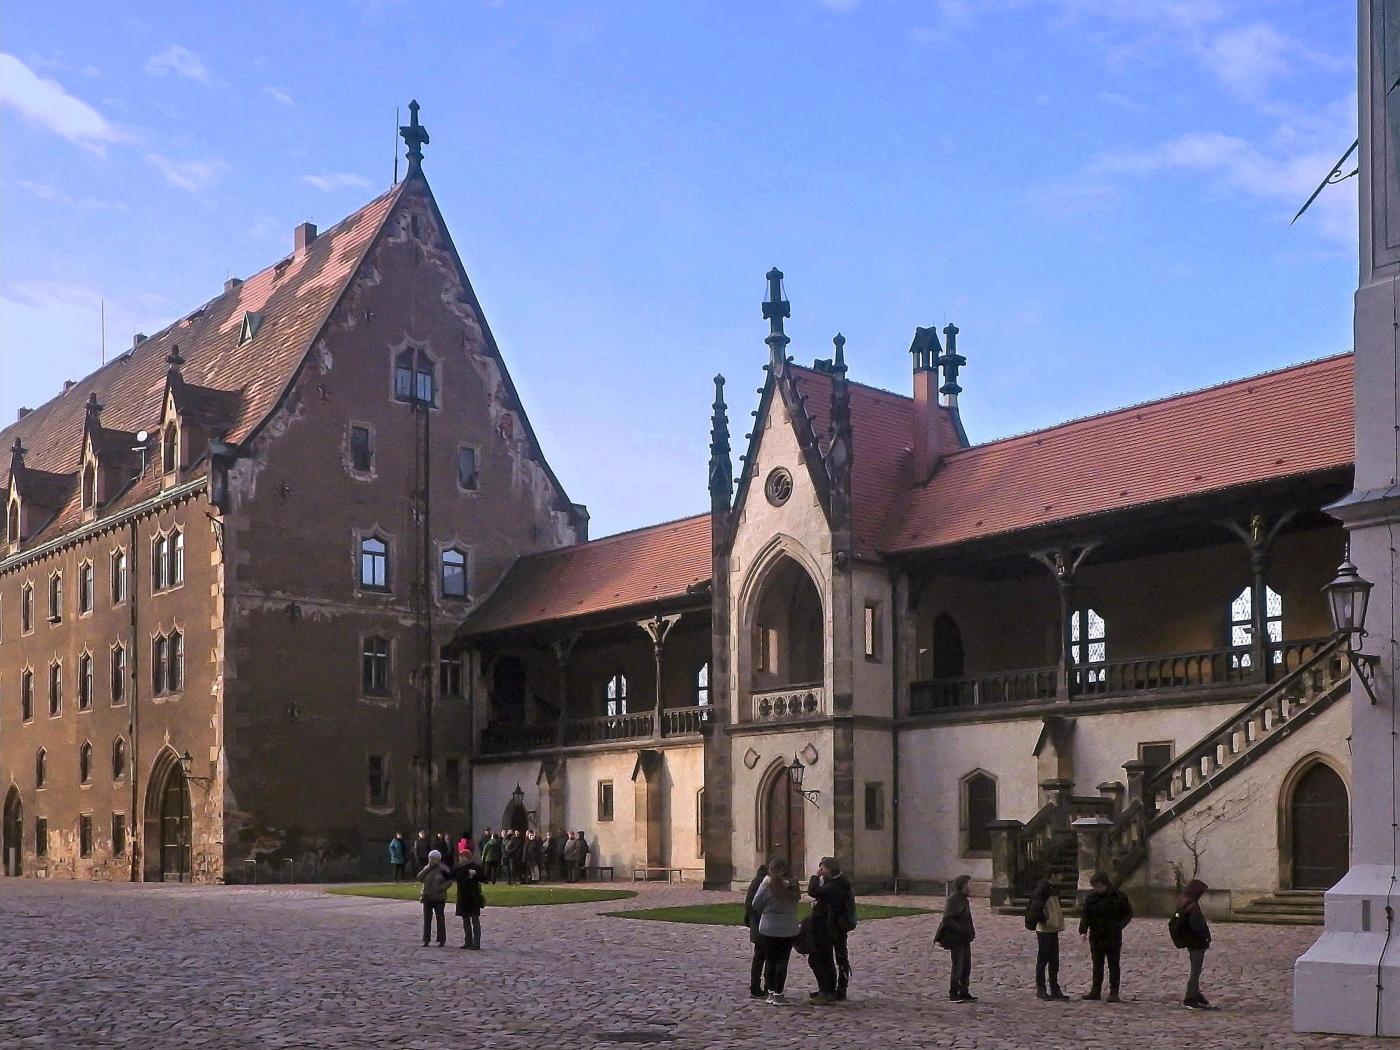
897	646
137	832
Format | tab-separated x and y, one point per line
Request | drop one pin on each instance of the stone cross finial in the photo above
721	469
415	137
17	453
775	308
173	359
838	364
951	361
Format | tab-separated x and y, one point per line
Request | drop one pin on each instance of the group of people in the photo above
770	913
520	857
1106	912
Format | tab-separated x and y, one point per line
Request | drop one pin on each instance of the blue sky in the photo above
1097	193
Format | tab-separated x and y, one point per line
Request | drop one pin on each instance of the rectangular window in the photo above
85	836
41	836
26	608
1158	753
175	654
466	468
872	631
118	676
55	690
160	563
118	577
605	800
764	645
449	672
26	695
378	780
84	682
454	573
177	558
874	807
452	774
85	589
158	653
361	450
118	834
374	676
374	564
56	598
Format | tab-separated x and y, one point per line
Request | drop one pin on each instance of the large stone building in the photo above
1099	644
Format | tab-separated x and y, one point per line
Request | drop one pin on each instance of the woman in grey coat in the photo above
775	906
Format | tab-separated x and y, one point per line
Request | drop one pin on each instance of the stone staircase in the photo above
1283	908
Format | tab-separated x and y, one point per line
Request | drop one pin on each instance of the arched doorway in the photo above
12	834
948	655
168	821
787	636
1320	828
785	822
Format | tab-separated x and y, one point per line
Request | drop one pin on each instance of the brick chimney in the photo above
234	282
925	350
303	236
23	411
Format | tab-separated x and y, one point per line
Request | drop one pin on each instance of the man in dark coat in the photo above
1107	911
470	901
833	907
583	852
513	853
956	933
1195	935
422	846
756	989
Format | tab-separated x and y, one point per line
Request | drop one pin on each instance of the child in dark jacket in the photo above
955	934
1196	935
1107	911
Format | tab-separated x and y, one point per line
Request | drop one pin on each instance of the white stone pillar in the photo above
1349	981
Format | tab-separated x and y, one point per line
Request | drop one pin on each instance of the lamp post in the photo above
1348	597
795	773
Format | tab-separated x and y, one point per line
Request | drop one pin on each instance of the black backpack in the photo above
1176	928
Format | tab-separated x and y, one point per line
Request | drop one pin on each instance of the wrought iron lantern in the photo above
795	773
517	797
1348	597
186	763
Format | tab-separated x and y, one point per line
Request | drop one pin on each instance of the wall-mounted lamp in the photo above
187	761
795	774
517	797
1348	597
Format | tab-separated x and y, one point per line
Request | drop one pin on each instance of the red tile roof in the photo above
647	565
241	384
1291	422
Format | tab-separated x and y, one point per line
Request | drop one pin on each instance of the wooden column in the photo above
657	628
1063	563
563	651
1258	535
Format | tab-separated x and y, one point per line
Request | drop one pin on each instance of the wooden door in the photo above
12	836
1321	822
175	828
786	823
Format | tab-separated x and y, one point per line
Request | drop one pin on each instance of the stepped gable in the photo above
635	568
1288	423
232	386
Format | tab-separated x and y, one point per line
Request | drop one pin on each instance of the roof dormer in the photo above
33	498
192	417
110	462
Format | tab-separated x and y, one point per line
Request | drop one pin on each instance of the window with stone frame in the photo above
159	651
874	806
55	689
26	608
175	662
467	477
118	834
41	768
415	377
616	693
177	558
374	564
85	763
26	695
118	675
1242	626
979	810
118	577
56	597
403	376
377	780
85	835
374	666
450	672
119	758
160	563
453	578
86	588
1158	754
605	800
361	449
85	682
41	836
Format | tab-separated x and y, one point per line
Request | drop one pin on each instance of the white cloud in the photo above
278	95
191	175
45	102
337	181
841	7
177	61
45	192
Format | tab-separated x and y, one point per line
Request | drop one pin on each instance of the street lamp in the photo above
186	762
795	773
1348	597
517	797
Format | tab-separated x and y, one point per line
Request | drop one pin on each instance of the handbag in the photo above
802	944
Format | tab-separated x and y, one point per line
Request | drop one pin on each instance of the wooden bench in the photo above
595	872
644	874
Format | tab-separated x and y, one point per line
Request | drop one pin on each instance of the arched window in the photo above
1242	624
617	694
374	564
160	563
169	449
55	689
177	558
415	377
118	577
89	486
85	763
56	598
1088	638
41	768
175	662
26	608
454	573
702	685
85	682
158	655
12	522
979	811
118	675
26	695
85	589
118	758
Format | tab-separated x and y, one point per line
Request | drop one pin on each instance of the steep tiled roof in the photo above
236	385
632	568
1291	422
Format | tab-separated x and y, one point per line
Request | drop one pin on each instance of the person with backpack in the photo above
1189	930
1046	917
833	917
775	905
955	935
756	990
1107	912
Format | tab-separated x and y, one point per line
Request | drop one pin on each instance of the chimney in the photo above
23	411
138	339
925	352
303	236
234	282
68	385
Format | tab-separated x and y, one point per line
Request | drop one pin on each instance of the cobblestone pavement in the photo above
94	965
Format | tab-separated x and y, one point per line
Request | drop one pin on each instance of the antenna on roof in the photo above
102	313
396	145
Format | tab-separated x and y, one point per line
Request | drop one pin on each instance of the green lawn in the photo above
501	896
733	914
